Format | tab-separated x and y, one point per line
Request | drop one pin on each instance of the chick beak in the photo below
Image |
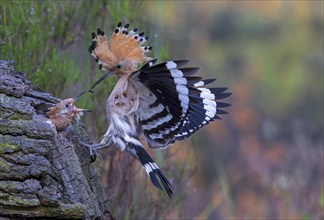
79	110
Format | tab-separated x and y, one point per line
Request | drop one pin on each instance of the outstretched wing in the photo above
175	103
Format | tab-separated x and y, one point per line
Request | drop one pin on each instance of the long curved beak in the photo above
99	81
78	96
93	85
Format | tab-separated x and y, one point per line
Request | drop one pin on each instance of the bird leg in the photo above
94	147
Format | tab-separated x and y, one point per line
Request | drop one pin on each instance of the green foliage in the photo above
124	9
34	35
321	199
38	36
282	74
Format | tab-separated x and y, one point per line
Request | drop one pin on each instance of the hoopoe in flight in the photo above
163	102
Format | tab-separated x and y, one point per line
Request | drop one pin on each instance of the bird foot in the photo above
93	150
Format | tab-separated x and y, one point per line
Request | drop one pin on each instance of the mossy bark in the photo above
43	173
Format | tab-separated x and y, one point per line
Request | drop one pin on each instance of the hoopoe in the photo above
163	102
64	113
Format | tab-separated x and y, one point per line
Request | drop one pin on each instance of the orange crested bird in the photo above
64	113
163	102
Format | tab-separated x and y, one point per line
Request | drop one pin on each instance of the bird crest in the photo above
123	52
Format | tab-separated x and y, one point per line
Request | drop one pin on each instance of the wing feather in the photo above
178	103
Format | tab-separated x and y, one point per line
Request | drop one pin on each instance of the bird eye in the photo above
118	66
67	105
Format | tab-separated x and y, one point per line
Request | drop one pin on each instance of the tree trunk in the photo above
43	173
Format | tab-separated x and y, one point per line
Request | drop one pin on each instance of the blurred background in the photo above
264	160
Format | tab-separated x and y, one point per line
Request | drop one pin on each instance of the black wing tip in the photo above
181	62
222	95
218	90
221	112
223	104
153	61
188	71
207	81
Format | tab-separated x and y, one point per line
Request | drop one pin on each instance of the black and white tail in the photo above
153	171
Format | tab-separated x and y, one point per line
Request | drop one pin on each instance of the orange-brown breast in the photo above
61	123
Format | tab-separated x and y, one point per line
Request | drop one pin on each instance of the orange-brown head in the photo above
122	53
64	112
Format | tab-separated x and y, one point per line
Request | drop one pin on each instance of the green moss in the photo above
65	211
8	148
73	210
4	167
22	201
8	114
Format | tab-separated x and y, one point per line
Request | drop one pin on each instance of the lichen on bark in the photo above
43	173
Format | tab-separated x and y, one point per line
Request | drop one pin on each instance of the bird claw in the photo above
93	150
93	154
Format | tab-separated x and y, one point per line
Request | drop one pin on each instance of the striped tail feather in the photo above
153	171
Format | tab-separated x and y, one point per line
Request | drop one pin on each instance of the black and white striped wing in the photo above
204	108
175	104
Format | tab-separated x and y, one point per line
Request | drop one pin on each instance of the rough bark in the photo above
43	173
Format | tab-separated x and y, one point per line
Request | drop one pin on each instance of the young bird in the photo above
163	102
64	113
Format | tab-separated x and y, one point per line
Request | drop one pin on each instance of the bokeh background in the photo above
264	160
